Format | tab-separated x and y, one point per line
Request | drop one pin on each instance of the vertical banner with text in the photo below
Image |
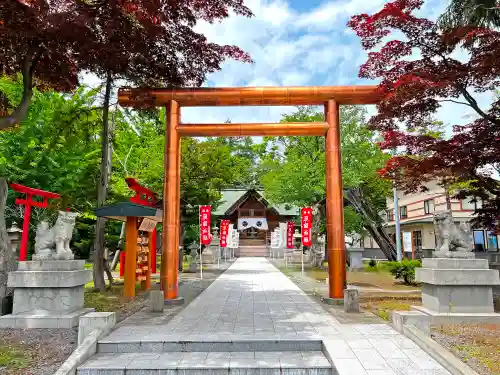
307	226
224	229
290	229
205	224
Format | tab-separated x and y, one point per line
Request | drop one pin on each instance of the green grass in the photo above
90	266
383	307
103	302
317	274
384	314
481	353
109	301
13	358
381	267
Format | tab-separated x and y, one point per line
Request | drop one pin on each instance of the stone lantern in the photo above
297	238
14	233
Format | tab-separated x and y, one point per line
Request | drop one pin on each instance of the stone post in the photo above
95	320
351	300
356	259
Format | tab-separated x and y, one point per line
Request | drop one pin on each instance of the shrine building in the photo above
253	216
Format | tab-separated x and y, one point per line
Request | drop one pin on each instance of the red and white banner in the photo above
224	229
205	224
290	229
307	214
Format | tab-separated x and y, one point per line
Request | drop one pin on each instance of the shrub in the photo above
372	263
405	270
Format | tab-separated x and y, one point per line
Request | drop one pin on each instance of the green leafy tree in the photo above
484	13
295	171
207	165
54	149
56	146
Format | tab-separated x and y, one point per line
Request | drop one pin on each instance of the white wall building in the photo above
416	218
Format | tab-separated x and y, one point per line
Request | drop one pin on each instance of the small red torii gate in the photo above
29	202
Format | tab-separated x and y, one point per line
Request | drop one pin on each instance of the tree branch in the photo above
305	149
454	101
470	99
29	64
475	106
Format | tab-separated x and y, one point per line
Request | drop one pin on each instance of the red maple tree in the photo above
142	41
418	72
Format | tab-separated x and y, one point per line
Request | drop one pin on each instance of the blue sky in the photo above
297	43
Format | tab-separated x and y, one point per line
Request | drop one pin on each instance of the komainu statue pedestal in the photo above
458	289
47	294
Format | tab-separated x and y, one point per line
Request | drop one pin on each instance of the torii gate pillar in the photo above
329	96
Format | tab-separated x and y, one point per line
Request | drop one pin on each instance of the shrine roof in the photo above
120	211
232	196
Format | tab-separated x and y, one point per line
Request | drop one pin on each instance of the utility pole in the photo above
396	219
398	226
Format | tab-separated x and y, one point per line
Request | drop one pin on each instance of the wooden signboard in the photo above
147	225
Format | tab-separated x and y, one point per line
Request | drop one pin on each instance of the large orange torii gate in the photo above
173	99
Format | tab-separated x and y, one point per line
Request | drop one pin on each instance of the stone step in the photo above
252	251
253	244
154	345
213	363
251	255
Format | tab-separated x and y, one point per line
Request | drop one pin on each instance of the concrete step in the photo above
213	363
253	241
252	251
251	255
159	345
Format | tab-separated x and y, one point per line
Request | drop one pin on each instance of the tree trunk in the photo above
105	265
7	256
318	251
372	222
102	190
28	67
447	195
116	258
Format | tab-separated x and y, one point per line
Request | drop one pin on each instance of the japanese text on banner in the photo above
307	226
205	212
224	228
289	234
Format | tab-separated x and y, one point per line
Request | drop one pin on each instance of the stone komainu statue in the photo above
449	236
53	242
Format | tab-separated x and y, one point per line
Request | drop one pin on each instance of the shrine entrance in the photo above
173	99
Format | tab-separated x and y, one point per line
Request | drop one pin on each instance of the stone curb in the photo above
445	358
87	347
83	352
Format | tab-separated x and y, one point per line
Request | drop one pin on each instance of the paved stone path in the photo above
254	301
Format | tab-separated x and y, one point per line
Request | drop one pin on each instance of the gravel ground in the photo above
46	349
477	345
317	291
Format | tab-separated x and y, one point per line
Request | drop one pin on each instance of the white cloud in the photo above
289	49
333	15
292	48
